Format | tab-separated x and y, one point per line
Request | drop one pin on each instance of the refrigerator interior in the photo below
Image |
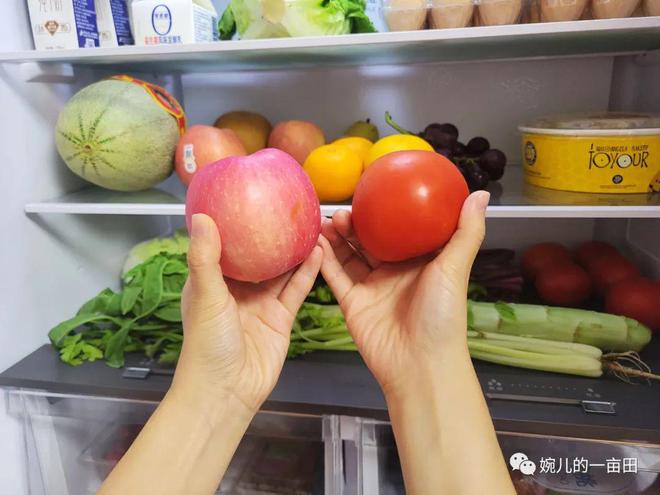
53	262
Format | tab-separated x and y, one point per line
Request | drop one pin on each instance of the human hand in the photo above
236	334
404	316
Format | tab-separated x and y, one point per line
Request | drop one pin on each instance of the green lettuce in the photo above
255	19
177	244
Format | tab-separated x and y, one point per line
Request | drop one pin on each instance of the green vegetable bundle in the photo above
145	316
561	340
283	18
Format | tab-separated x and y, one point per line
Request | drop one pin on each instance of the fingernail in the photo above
480	200
199	227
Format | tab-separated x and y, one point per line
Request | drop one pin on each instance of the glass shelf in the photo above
553	39
510	198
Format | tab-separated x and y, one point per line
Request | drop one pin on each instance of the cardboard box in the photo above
167	22
63	24
113	23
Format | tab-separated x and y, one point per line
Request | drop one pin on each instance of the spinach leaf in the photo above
129	297
152	291
97	304
145	316
114	351
113	307
171	354
60	331
175	267
169	312
91	352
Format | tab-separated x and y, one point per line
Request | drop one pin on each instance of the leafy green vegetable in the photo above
129	298
145	316
276	19
177	244
114	351
227	25
169	312
321	293
476	291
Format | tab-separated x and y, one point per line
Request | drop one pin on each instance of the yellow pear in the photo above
252	128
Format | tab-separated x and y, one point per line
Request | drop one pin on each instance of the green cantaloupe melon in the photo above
114	134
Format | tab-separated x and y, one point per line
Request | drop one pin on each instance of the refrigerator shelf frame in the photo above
532	40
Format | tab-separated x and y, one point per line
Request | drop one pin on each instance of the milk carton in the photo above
112	22
61	24
166	22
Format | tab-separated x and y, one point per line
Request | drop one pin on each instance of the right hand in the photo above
404	316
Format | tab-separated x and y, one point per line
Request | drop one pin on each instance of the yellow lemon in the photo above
334	170
358	144
397	142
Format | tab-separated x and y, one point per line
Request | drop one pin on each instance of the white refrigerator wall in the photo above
481	98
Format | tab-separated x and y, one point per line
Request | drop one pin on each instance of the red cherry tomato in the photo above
407	204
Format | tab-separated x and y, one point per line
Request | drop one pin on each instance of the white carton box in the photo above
62	24
113	23
166	22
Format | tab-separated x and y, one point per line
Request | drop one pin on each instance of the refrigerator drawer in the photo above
561	465
73	442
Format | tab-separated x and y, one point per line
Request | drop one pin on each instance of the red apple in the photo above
298	138
266	210
204	144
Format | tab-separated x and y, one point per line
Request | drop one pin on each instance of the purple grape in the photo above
446	152
459	149
438	138
477	178
450	129
462	169
477	145
493	162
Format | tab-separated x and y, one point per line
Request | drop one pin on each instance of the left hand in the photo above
236	334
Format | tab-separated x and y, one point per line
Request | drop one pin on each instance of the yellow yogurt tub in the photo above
595	153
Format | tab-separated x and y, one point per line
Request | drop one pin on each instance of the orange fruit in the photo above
358	144
334	171
396	142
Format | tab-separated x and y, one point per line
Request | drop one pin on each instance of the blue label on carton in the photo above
122	24
85	17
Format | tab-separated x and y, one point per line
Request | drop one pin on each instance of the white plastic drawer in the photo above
73	442
372	464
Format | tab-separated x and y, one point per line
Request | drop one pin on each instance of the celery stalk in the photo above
577	364
602	330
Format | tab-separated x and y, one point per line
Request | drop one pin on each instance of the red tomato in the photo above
591	250
606	271
540	255
563	284
637	298
407	204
